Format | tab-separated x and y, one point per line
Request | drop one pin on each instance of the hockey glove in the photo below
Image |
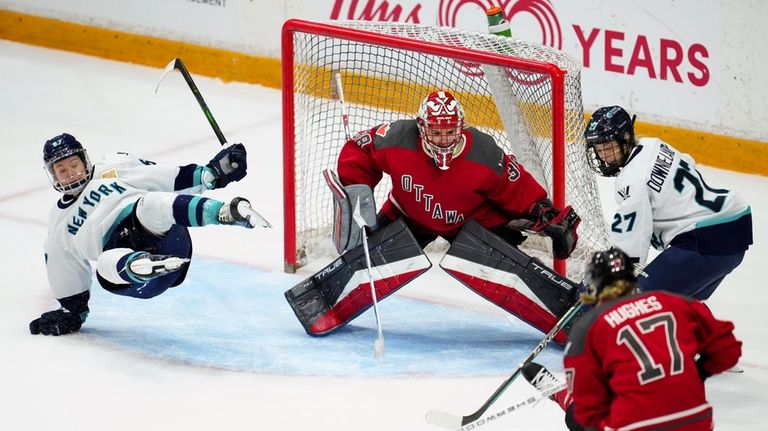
560	225
229	165
56	322
703	374
67	319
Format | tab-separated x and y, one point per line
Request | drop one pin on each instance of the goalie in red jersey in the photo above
444	174
447	179
638	361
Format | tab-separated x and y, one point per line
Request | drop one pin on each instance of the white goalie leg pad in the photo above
347	200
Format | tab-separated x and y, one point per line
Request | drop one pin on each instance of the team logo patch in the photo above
624	193
112	173
382	130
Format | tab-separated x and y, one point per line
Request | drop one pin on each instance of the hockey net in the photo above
527	96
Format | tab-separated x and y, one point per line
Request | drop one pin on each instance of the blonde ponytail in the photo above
614	290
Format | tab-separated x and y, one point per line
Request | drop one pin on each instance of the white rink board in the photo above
654	58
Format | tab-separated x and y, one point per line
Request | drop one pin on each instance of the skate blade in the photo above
254	219
147	266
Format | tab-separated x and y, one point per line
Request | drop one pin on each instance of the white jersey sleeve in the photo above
68	273
149	176
661	195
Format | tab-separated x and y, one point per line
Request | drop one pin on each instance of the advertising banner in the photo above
681	62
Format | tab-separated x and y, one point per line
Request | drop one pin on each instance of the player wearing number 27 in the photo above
638	361
701	230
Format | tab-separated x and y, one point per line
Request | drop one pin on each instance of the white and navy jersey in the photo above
79	226
661	195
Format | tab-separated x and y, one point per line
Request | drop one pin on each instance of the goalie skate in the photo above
239	212
145	266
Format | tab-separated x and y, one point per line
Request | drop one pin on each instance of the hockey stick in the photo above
340	96
530	401
451	421
177	64
378	345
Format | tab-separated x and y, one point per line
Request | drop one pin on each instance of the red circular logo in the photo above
541	10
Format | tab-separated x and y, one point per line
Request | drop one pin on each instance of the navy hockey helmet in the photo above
608	125
607	267
59	148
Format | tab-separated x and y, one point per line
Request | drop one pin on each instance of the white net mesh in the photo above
385	84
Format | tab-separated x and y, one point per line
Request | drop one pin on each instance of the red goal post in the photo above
384	63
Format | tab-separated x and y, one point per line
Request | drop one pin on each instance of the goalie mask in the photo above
610	137
607	267
67	175
441	120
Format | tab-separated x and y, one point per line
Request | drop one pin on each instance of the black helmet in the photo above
609	124
59	148
605	268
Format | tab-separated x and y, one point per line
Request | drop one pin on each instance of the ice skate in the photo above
545	381
239	212
147	266
539	377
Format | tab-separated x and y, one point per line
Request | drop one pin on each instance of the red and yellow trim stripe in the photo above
721	151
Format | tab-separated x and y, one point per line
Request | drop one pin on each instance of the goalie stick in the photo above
451	421
378	345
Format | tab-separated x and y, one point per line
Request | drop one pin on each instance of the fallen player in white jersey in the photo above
129	216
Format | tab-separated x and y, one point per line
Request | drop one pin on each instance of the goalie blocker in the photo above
346	200
509	278
340	292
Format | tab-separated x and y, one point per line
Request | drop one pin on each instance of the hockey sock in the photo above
193	211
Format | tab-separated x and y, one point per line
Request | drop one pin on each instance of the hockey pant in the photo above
509	278
697	261
157	224
341	291
688	272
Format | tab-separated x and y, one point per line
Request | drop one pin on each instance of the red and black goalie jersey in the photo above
630	363
482	183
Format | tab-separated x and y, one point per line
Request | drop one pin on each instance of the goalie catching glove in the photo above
560	225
